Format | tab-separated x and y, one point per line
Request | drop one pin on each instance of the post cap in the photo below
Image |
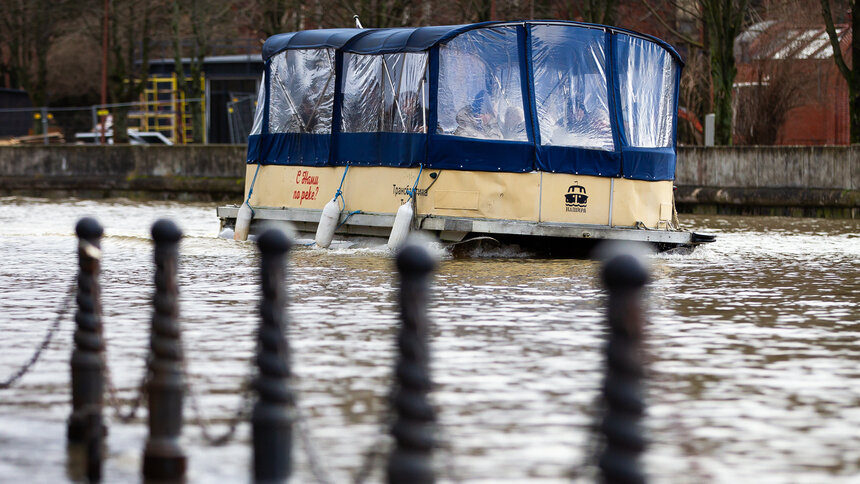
625	271
414	258
164	230
89	228
274	240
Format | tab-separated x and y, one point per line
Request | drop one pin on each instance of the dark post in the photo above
624	277
85	426
271	421
163	457
411	460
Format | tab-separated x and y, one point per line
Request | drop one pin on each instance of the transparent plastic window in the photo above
257	127
571	92
480	94
301	93
646	74
385	93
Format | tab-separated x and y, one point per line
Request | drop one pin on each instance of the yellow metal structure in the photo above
165	110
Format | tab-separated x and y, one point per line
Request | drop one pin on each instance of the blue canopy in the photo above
404	39
311	39
556	96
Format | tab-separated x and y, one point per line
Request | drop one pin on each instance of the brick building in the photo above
781	63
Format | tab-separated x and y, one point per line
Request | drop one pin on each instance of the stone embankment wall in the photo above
781	180
818	181
213	172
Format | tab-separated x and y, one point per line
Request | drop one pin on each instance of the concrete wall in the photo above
141	160
826	167
817	181
213	172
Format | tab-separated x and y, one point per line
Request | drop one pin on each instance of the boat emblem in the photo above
575	199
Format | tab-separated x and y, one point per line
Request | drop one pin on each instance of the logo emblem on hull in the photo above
575	200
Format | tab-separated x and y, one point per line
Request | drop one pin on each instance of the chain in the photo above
205	424
446	445
113	399
310	451
45	342
377	450
593	444
242	411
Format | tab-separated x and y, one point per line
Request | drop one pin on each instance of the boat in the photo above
546	133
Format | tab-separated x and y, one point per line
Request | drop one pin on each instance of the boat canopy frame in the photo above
553	96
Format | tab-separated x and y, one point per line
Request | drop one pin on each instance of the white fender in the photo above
327	224
243	223
402	223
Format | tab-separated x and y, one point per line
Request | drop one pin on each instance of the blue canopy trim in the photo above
649	163
456	153
306	149
453	152
579	161
380	149
526	81
614	102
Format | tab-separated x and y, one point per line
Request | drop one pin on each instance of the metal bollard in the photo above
163	456
624	277
411	459
271	421
85	427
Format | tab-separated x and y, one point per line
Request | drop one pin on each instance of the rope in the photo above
339	192
45	342
411	191
350	214
251	190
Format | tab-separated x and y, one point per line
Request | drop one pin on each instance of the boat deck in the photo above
455	229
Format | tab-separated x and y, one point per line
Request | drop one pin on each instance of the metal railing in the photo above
62	124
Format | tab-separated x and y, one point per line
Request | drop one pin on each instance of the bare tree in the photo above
722	21
594	11
694	98
850	74
202	18
133	28
373	13
29	28
762	106
270	17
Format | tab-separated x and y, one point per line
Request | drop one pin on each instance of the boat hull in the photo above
453	205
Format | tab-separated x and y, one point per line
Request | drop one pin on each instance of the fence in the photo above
271	405
240	116
165	121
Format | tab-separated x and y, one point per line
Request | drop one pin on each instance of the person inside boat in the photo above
361	112
309	116
407	116
478	120
513	124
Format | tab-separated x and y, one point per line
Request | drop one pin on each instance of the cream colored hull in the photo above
454	203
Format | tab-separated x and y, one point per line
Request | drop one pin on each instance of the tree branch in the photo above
834	40
683	37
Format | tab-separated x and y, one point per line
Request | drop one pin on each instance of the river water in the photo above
753	349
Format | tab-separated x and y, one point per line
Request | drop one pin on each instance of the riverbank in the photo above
813	181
